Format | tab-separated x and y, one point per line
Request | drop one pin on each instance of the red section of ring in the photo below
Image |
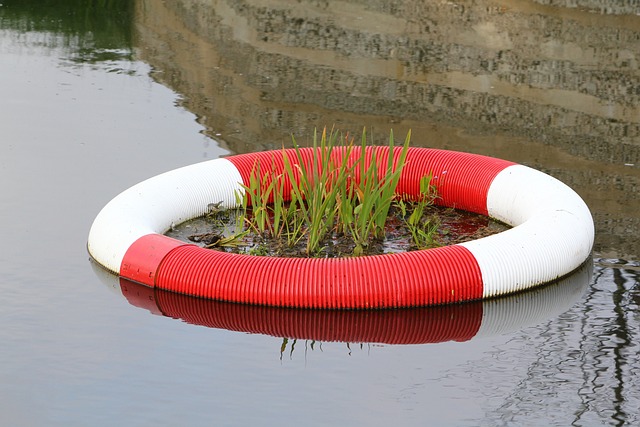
443	275
420	278
141	260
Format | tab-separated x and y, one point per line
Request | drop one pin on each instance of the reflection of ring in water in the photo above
453	322
552	235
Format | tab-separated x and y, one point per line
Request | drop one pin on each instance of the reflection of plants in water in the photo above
94	30
93	56
308	344
285	343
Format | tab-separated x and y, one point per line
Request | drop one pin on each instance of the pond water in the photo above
97	96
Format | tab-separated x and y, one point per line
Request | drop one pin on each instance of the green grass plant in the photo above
315	187
367	212
422	228
330	196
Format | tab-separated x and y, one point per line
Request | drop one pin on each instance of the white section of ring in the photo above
152	206
552	236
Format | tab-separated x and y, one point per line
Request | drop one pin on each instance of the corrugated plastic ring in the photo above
552	235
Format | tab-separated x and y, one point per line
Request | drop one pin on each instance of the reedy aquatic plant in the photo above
422	229
373	194
327	195
315	187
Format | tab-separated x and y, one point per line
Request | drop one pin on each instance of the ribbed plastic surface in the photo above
553	232
437	276
152	206
462	179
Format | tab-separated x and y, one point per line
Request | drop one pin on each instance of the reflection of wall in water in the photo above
266	68
613	6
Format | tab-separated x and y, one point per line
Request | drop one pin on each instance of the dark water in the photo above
98	95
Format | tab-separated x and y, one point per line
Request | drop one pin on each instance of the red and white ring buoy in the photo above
552	235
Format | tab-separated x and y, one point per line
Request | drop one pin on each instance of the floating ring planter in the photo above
552	235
